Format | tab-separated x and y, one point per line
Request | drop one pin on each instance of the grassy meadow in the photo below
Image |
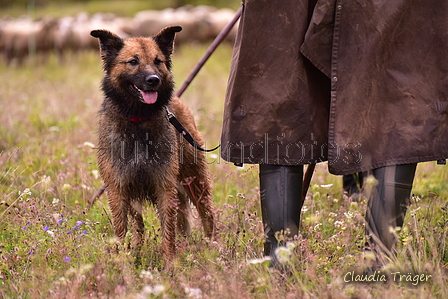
51	246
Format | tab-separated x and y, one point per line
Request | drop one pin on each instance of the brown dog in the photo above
140	156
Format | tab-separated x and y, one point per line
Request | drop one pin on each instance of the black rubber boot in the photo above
281	203
387	206
352	183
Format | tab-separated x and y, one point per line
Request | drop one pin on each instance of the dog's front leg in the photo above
136	211
167	208
120	208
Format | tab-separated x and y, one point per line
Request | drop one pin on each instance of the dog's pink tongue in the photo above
150	97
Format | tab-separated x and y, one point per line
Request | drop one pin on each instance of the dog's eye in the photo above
133	61
157	61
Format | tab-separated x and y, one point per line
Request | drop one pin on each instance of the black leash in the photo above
181	129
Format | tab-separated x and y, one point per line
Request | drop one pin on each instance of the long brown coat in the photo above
360	84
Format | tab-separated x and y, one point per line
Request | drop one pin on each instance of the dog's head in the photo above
139	67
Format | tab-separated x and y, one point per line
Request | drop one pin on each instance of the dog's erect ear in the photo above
165	39
110	44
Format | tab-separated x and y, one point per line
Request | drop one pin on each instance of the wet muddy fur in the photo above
141	156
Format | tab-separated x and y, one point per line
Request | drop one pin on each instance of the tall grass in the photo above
51	246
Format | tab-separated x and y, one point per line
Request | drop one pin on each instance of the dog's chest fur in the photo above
140	153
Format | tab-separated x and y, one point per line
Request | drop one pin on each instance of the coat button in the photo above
335	79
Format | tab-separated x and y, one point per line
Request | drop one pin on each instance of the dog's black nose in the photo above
153	80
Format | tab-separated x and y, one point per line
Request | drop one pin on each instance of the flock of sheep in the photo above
23	37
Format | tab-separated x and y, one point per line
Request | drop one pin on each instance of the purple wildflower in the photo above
78	224
24	228
59	221
46	228
67	259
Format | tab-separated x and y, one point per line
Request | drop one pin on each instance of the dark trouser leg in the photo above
281	203
387	205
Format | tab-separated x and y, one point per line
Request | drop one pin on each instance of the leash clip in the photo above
169	113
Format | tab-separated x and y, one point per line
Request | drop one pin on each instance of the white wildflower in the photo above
146	274
46	180
283	254
338	224
148	290
304	208
241	195
54	129
259	261
55	201
193	292
27	191
84	186
327	186
89	144
66	187
96	173
349	214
